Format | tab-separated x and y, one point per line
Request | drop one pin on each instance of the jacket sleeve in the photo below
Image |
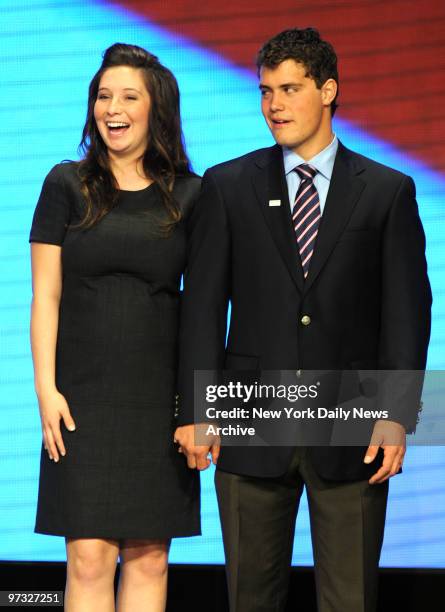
203	321
406	308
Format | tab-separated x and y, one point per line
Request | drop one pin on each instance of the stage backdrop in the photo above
392	67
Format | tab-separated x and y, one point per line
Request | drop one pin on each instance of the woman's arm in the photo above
47	289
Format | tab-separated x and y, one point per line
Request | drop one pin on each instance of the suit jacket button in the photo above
305	319
298	373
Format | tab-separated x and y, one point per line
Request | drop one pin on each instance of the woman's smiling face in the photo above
121	111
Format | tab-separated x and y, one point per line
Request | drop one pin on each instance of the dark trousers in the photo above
258	523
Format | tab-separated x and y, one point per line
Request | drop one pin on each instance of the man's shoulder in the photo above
233	167
375	170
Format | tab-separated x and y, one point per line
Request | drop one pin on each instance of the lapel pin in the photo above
274	202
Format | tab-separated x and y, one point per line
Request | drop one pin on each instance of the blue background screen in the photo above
48	54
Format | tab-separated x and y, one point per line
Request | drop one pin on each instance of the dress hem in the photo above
127	536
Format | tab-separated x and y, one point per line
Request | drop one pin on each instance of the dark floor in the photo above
202	588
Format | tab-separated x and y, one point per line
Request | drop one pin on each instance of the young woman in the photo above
108	251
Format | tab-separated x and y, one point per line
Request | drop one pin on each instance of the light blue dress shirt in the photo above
323	162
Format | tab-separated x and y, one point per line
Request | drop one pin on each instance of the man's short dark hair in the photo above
306	47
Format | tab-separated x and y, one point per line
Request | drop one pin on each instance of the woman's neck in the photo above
129	173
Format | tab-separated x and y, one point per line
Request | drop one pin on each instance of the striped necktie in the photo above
306	214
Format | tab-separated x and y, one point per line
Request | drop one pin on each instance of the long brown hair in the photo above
165	156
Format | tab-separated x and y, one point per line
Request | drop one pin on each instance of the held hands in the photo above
391	436
197	456
53	407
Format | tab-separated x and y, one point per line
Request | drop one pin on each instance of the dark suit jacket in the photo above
367	291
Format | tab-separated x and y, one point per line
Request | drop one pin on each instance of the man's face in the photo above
296	111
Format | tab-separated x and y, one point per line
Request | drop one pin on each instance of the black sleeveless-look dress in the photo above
116	359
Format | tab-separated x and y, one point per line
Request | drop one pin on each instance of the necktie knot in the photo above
305	171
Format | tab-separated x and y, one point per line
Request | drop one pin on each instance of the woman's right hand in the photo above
54	407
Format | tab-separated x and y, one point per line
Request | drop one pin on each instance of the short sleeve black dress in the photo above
116	359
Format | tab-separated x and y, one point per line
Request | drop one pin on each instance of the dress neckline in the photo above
126	191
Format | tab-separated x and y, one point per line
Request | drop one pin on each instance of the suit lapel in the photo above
269	184
344	191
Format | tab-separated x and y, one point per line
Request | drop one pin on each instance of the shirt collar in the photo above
323	161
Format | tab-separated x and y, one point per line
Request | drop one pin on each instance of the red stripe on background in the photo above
391	55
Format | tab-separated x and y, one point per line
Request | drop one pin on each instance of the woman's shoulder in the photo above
63	183
188	181
186	191
65	174
66	170
56	206
187	188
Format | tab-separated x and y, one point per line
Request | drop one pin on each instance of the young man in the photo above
321	253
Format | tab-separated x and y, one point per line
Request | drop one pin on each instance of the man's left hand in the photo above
390	436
